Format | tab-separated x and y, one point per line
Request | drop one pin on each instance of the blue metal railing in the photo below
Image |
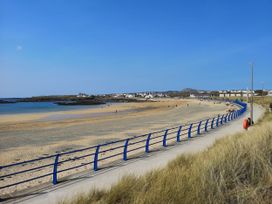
119	149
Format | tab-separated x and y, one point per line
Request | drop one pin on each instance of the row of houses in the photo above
243	93
146	95
235	93
202	94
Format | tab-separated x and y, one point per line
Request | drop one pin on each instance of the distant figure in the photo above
176	105
187	104
115	111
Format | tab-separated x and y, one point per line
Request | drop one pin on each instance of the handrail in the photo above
105	151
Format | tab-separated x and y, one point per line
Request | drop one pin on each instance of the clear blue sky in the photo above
98	46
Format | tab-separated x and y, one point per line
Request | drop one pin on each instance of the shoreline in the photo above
21	141
36	134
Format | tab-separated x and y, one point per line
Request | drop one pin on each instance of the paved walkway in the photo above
107	177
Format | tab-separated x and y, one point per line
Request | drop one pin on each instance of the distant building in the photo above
235	93
269	93
192	96
128	96
160	95
116	95
82	95
149	96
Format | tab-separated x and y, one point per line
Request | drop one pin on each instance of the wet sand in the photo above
26	136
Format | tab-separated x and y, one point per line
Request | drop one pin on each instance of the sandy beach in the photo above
28	136
24	136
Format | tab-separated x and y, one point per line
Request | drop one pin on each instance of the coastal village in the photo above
186	93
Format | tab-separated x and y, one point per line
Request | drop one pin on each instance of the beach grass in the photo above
236	169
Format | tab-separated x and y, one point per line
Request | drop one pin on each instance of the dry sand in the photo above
24	136
28	136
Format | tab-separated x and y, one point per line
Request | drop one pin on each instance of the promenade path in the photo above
105	178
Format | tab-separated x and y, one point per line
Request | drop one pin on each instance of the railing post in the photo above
198	128
206	125
147	143
164	138
96	158
125	150
226	118
221	122
178	134
212	123
217	121
229	117
190	130
55	170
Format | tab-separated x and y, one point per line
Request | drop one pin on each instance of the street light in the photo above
251	104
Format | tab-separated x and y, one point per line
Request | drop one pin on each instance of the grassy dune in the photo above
237	169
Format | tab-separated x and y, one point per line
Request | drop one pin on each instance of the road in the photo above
107	177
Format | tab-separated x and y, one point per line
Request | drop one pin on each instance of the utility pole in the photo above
251	104
247	92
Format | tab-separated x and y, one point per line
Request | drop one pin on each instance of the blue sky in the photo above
99	46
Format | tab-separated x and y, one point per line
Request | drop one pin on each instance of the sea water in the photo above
39	107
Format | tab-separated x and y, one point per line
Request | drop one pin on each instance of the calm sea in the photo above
39	107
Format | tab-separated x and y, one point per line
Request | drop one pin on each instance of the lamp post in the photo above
251	104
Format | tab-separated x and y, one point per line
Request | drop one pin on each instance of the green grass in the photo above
237	169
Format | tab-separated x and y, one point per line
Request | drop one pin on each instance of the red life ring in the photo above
245	124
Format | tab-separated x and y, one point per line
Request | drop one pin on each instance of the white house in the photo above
82	95
129	96
149	96
192	96
269	93
222	93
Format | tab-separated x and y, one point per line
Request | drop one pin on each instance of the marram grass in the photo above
237	169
